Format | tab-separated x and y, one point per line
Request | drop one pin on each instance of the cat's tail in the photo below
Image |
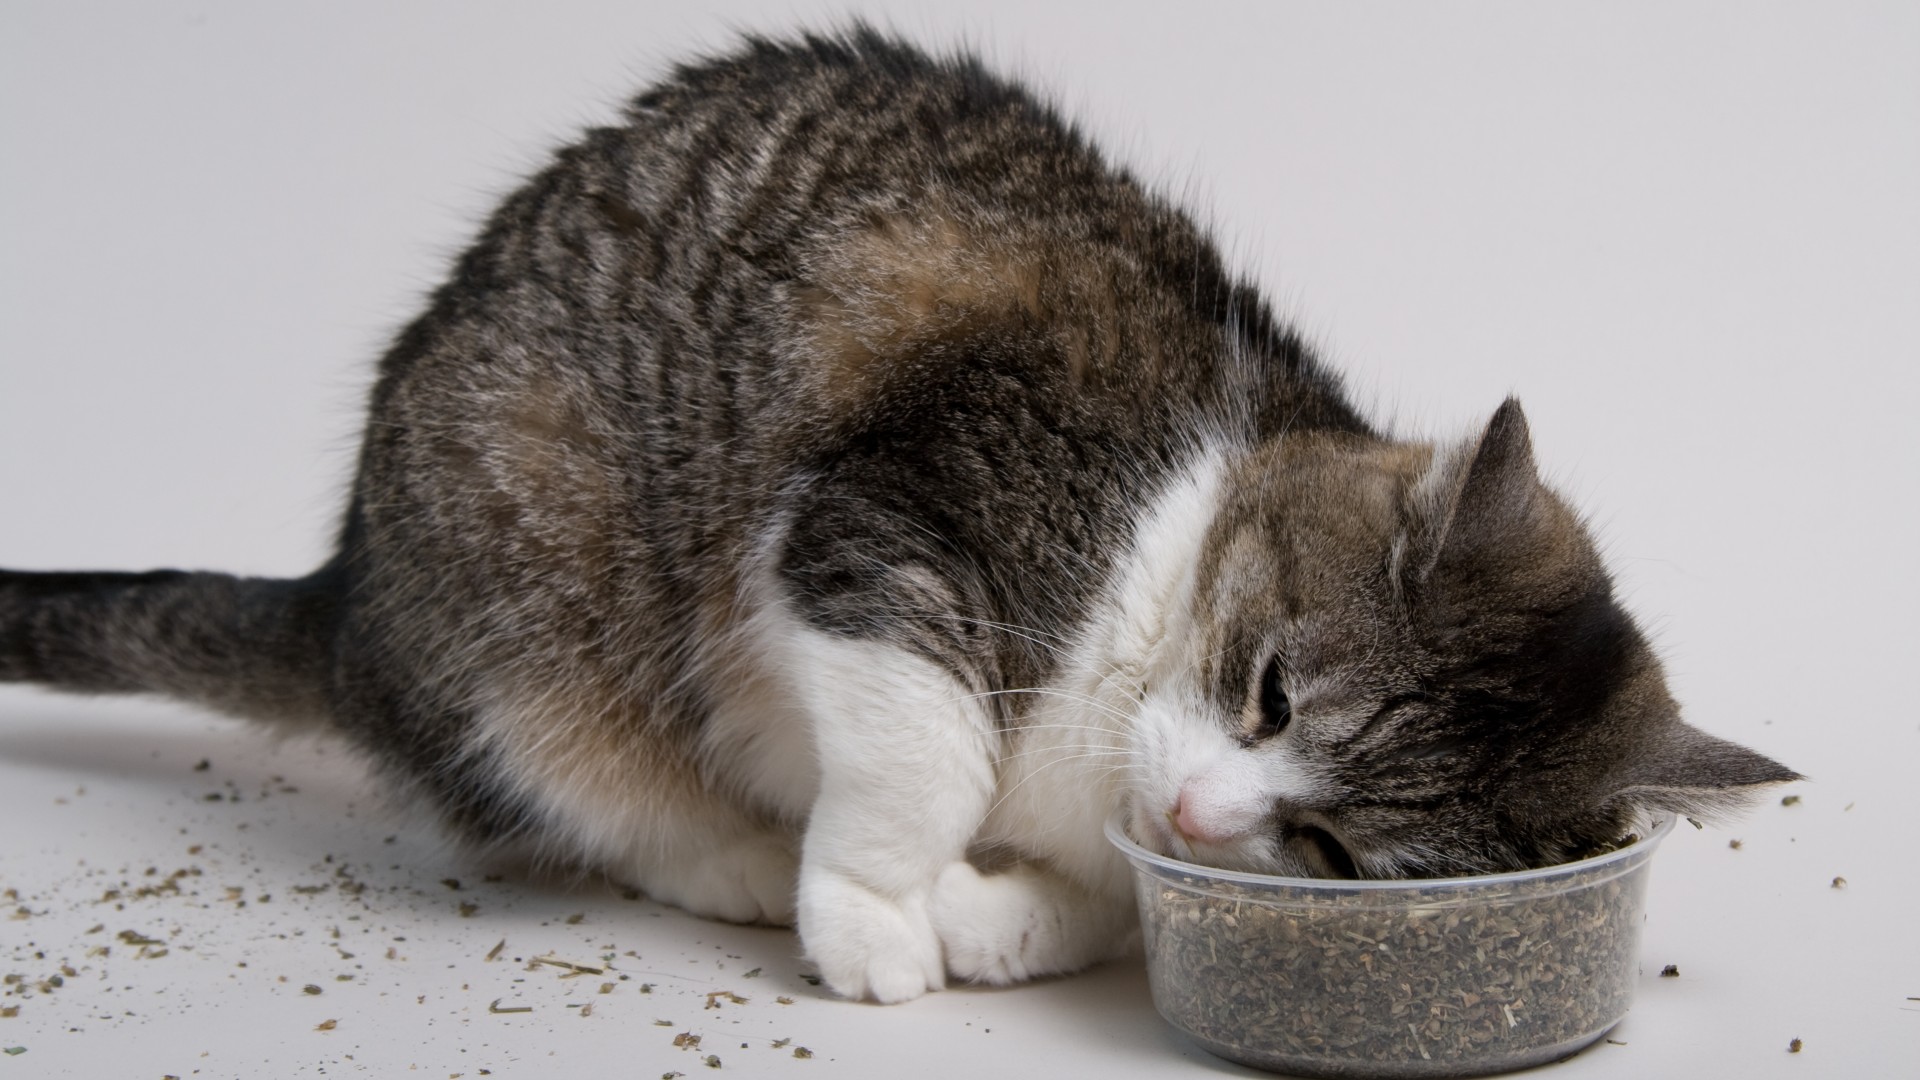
254	647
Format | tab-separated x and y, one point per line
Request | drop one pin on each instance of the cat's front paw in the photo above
987	927
866	945
1021	924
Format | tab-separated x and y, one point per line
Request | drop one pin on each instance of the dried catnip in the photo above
1396	981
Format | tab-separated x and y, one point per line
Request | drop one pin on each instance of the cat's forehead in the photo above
1304	519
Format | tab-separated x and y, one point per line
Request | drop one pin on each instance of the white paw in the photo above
866	945
986	929
1009	927
749	881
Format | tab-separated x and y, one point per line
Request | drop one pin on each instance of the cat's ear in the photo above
1473	495
1683	770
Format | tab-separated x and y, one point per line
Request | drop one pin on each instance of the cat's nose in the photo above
1199	827
1182	817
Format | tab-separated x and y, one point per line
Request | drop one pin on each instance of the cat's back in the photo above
759	249
762	162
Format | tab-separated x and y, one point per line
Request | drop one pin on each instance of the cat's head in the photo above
1396	661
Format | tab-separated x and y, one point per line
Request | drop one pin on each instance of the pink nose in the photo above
1194	828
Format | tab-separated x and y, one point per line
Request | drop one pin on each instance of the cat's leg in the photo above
1025	922
684	845
608	789
906	773
739	875
742	875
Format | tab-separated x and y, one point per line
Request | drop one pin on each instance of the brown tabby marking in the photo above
909	282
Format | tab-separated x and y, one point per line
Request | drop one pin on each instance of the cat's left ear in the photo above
1474	496
1686	771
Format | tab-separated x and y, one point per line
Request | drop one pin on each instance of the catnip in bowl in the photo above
1428	978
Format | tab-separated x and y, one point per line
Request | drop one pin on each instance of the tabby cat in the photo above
830	494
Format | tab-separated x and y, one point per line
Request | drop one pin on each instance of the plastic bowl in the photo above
1421	978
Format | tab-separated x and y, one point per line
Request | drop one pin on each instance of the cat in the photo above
831	494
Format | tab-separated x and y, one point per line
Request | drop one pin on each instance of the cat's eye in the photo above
1275	710
1332	856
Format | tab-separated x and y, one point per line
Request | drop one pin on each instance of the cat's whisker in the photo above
1065	695
1056	648
1108	769
1080	749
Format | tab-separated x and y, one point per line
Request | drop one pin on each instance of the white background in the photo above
1687	235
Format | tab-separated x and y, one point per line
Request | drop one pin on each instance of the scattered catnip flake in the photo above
783	1000
326	1025
802	1052
451	883
713	1061
496	1007
494	953
15	1051
1789	800
587	1009
1695	822
468	908
663	1023
812	980
1734	843
607	988
574	919
687	1040
1671	971
310	988
573	967
1839	883
1794	1046
781	1044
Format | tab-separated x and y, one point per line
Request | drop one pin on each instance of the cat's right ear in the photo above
1473	494
1684	770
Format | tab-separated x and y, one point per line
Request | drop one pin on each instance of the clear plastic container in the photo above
1427	978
